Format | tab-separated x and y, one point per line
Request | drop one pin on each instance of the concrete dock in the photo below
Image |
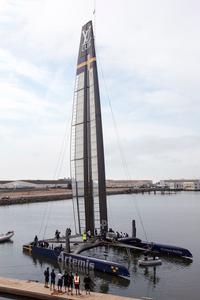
37	290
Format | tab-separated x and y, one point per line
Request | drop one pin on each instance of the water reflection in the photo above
150	273
6	243
175	272
41	261
130	260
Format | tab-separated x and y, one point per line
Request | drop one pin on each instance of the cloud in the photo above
149	54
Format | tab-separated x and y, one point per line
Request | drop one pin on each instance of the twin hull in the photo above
79	261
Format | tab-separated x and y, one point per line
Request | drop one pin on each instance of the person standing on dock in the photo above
77	284
53	280
71	282
60	282
87	281
46	277
66	281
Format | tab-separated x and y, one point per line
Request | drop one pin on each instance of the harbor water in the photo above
171	219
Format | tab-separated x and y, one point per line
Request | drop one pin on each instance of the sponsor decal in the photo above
81	263
103	224
86	39
171	250
114	269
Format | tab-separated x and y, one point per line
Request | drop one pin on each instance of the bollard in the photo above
67	241
133	229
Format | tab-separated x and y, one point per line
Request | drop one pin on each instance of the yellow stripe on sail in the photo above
89	61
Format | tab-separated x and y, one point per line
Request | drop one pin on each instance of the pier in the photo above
36	290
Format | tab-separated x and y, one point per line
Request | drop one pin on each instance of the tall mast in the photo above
87	151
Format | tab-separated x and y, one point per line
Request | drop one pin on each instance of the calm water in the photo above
172	219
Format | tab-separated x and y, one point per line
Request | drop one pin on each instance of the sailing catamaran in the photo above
88	171
87	164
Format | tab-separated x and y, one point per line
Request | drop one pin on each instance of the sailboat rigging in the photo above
88	176
87	167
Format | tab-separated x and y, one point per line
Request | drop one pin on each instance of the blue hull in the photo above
172	250
49	253
159	248
86	262
78	260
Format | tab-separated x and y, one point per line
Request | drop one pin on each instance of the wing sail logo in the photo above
86	39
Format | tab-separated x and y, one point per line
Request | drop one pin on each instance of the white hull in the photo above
6	237
149	262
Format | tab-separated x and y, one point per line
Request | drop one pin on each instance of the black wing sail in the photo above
87	151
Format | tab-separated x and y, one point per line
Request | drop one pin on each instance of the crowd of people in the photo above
66	282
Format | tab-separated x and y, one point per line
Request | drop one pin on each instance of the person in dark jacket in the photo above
53	280
46	278
71	283
87	282
66	281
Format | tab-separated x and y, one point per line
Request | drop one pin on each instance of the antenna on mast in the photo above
94	17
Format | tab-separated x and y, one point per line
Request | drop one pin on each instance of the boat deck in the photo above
37	290
76	243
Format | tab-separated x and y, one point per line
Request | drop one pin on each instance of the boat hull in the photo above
80	261
6	237
150	262
172	251
163	249
87	263
47	252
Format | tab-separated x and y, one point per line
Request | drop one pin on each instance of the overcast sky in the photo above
149	69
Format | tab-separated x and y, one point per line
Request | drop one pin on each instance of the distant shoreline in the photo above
33	196
24	196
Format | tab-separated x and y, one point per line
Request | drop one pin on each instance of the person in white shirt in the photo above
60	282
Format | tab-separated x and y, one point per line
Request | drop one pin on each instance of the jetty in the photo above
36	290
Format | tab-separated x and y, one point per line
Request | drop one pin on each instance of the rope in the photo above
74	210
59	165
122	156
140	218
43	218
61	155
124	164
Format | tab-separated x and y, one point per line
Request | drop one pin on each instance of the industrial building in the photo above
181	184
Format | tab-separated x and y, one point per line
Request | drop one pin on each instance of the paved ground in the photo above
37	290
